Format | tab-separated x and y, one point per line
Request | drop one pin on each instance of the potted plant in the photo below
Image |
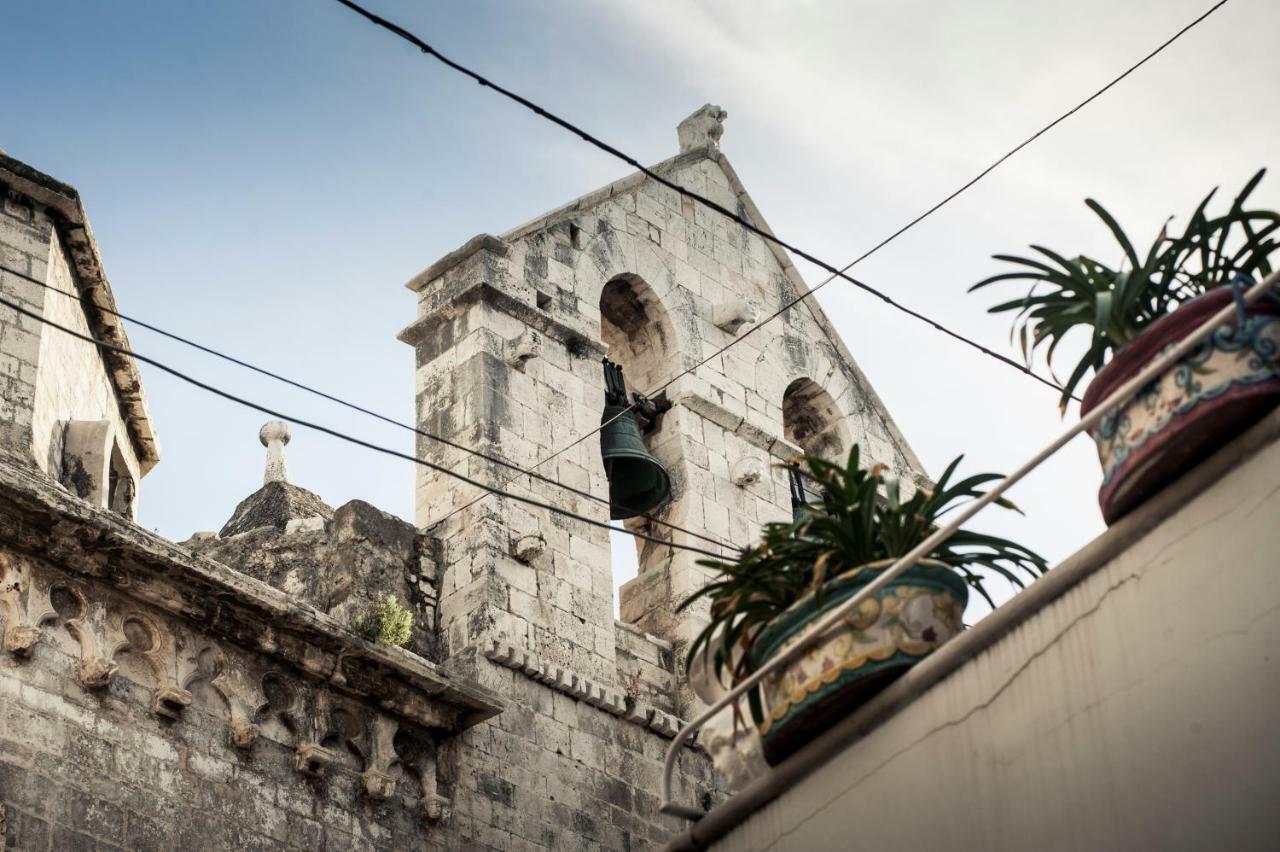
1132	313
764	602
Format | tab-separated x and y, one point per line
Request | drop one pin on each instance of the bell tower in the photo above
526	342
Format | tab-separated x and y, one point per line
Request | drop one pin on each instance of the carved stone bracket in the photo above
747	471
733	314
419	757
378	781
312	759
211	669
523	349
69	603
528	548
142	636
205	638
22	619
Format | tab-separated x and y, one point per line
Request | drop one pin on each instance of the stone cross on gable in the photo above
274	435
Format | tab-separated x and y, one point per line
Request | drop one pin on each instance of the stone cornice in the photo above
91	279
477	243
40	519
477	291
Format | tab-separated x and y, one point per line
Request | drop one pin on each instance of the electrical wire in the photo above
764	233
834	273
83	298
351	439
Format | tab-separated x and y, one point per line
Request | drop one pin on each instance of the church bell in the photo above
637	481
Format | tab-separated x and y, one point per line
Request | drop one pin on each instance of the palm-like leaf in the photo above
859	518
1115	305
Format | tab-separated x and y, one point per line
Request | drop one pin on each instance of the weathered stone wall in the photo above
153	700
50	378
25	235
342	562
72	382
647	667
566	767
509	336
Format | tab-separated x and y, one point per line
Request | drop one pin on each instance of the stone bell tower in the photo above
509	339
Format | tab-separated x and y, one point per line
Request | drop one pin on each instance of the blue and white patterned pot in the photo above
1210	396
890	632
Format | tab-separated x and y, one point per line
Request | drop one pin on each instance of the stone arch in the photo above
812	421
610	255
639	334
637	331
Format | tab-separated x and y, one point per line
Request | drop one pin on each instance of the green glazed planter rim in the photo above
926	572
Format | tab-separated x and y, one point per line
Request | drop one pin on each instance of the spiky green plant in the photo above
1117	304
860	518
387	621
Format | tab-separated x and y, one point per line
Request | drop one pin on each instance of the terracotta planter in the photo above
890	633
1222	387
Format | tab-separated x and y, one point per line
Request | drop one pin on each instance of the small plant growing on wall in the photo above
387	621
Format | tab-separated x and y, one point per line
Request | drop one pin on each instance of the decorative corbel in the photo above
211	668
747	471
96	670
280	702
379	783
144	638
418	756
523	349
435	807
732	314
21	632
528	547
312	759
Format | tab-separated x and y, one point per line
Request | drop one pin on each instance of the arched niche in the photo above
637	331
812	421
638	334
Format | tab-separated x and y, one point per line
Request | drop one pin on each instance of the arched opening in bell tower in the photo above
637	332
640	339
812	421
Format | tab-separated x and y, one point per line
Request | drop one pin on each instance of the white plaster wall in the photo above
1139	710
71	380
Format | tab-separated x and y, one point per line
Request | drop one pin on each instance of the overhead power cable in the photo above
351	439
351	405
766	235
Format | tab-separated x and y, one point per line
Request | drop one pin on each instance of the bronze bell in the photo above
637	481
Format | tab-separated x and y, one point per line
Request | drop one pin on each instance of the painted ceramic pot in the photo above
1221	388
888	634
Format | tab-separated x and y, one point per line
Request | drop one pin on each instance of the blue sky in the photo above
265	176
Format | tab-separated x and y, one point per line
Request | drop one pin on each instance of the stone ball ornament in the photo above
273	431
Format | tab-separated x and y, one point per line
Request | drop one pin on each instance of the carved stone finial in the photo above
703	129
274	435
